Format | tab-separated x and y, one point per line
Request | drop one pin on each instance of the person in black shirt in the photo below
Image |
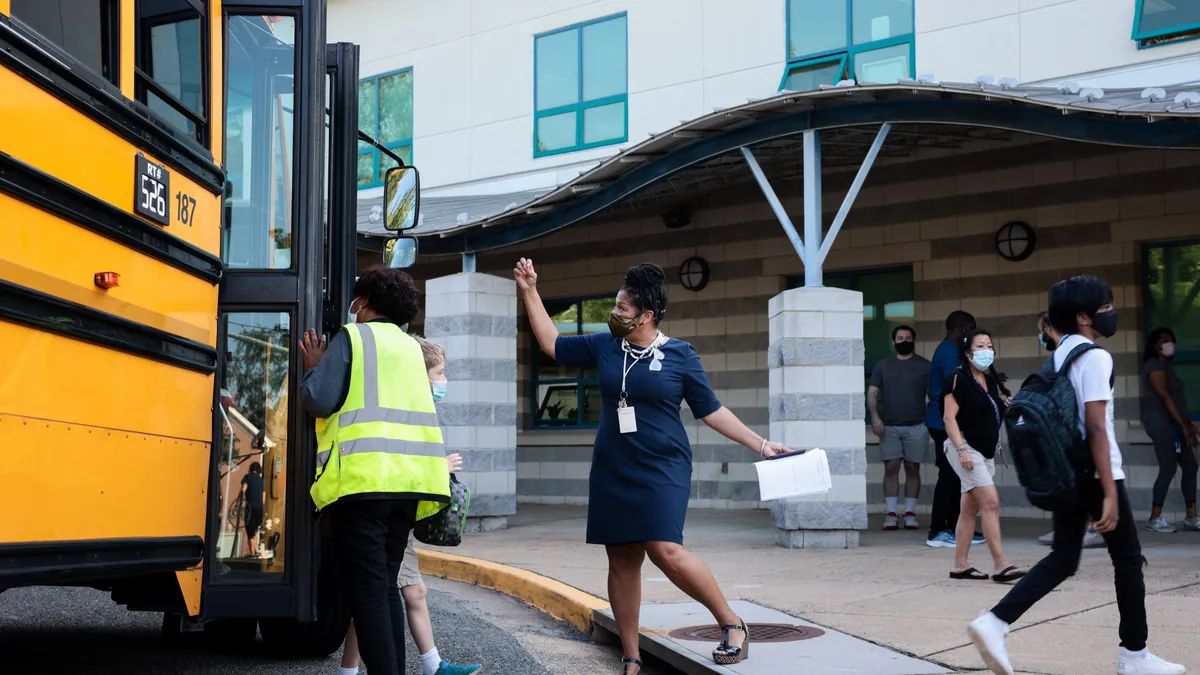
252	491
973	406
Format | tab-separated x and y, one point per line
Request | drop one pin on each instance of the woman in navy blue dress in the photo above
642	463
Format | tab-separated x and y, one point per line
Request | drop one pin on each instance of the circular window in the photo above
1015	241
693	274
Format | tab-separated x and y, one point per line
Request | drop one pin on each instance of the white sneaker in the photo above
988	633
1046	539
1159	524
1145	663
1192	524
1093	539
891	521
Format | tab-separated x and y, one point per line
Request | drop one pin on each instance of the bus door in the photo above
261	526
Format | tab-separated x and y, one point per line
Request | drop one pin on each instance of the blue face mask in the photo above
983	358
439	389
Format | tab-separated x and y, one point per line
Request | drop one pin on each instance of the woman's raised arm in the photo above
539	319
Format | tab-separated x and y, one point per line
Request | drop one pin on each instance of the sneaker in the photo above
1093	539
978	539
943	539
910	521
1159	524
891	521
1047	539
988	633
1145	663
1192	524
452	669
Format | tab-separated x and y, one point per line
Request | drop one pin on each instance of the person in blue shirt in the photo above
946	493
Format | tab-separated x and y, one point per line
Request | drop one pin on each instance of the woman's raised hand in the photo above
524	274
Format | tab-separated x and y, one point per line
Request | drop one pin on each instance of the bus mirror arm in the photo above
380	147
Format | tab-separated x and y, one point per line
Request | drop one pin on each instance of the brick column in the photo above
816	386
474	316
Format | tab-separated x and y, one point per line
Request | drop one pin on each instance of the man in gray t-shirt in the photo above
900	426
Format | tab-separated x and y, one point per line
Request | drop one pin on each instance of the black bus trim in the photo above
33	308
39	189
58	73
81	560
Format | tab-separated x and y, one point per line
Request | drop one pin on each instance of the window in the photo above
171	72
887	303
1157	22
569	397
385	112
86	29
1172	299
260	142
581	87
833	40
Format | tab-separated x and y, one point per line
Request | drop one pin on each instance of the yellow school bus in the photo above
177	203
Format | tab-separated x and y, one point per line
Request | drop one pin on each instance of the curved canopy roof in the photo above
702	154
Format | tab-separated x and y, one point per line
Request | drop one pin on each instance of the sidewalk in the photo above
893	590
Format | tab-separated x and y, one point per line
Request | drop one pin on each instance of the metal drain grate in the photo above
759	632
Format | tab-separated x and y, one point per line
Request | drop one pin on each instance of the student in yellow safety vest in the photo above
381	462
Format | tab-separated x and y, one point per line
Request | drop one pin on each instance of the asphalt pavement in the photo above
72	631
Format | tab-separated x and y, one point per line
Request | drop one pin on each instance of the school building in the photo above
907	195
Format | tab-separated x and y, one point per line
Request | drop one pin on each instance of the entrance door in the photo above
259	560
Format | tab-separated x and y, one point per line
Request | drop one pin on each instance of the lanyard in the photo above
995	408
638	355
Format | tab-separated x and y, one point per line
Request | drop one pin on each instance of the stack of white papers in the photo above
794	476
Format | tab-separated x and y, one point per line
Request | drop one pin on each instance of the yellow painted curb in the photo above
552	597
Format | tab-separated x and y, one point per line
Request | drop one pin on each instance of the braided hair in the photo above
646	286
964	352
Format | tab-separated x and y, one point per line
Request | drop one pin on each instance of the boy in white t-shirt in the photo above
1081	309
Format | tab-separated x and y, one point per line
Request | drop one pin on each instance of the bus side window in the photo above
172	65
86	29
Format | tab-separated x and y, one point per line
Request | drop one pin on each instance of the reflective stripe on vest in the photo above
386	437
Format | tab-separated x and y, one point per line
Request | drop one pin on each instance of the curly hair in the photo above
646	285
391	292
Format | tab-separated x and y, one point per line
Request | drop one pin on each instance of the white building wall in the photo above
1046	41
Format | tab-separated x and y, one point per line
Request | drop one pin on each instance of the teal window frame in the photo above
394	146
1157	38
847	54
582	380
848	279
1187	351
580	105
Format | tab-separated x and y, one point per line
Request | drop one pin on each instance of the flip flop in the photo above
970	573
1007	574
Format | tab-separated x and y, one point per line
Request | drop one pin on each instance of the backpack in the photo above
1047	448
445	528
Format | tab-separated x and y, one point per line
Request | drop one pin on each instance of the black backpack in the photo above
1047	449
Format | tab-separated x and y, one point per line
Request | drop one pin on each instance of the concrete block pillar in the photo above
474	317
817	400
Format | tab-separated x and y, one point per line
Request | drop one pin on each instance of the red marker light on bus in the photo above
107	280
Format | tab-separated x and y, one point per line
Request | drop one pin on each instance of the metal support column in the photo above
852	193
812	210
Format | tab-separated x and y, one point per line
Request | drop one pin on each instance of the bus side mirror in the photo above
400	252
401	198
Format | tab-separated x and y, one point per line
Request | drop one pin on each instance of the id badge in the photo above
627	420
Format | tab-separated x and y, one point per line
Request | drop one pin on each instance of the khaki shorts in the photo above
980	474
410	571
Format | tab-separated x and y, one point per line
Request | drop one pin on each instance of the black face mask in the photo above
905	348
1105	323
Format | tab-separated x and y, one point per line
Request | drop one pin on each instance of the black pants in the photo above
370	536
1123	548
1168	460
947	494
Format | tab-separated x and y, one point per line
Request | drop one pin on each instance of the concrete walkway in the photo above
892	591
